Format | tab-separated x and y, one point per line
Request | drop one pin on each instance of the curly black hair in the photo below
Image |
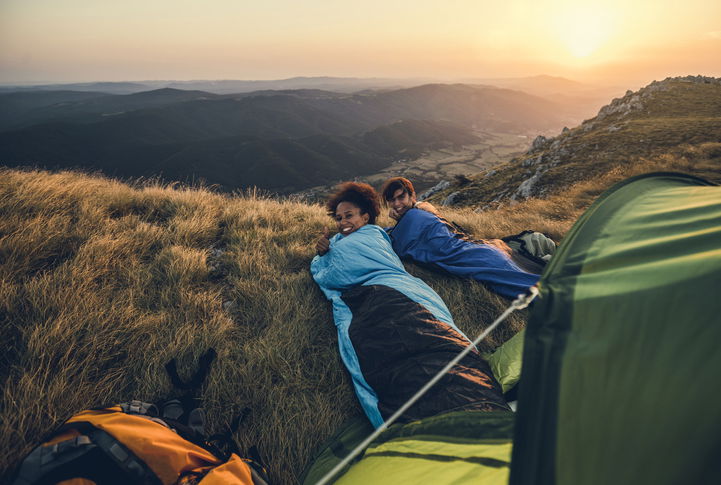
362	195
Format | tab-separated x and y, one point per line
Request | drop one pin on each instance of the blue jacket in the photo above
425	238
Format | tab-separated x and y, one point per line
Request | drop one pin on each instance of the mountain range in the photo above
277	140
232	86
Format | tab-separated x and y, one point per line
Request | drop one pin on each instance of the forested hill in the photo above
277	140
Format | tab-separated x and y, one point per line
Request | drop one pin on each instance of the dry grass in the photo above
674	121
101	284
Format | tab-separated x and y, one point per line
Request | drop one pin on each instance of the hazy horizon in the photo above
611	42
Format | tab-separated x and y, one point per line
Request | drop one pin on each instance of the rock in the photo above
451	199
216	268
442	185
538	143
525	190
623	106
462	180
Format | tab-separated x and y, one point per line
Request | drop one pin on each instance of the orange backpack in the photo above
128	444
141	443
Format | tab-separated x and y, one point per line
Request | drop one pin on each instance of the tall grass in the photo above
102	283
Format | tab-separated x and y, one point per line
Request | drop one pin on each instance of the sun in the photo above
583	29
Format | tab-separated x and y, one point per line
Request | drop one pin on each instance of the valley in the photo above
434	166
438	165
281	141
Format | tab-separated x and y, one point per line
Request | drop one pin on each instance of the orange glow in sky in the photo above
607	41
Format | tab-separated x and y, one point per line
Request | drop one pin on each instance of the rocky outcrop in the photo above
622	106
538	143
637	101
586	150
451	199
440	186
526	189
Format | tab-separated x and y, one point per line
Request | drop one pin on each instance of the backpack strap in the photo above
94	455
197	380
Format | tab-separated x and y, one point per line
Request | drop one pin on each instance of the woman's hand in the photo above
322	245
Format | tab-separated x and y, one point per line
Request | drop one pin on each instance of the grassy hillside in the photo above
669	125
102	283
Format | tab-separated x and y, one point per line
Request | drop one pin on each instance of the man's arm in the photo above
428	207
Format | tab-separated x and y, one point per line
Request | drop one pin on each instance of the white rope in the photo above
518	304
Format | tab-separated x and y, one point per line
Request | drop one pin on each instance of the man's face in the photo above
400	203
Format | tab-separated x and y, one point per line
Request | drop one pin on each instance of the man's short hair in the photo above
391	185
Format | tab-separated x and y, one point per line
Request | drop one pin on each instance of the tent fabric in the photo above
395	332
506	360
425	238
621	359
335	448
457	447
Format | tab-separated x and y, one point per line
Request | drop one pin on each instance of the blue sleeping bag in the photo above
425	238
395	332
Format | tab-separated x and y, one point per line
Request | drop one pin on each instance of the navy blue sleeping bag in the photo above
395	333
425	238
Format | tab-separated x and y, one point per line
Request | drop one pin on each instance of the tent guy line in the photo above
519	303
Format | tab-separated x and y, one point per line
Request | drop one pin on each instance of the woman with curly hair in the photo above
394	332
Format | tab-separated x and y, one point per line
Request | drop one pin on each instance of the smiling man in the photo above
423	236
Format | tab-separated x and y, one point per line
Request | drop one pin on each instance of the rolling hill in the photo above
273	140
233	162
671	124
22	109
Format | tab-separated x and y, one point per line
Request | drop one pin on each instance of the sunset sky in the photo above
611	41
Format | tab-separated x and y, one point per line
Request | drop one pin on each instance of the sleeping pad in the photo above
395	333
426	238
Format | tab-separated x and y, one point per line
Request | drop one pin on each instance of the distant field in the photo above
443	164
436	165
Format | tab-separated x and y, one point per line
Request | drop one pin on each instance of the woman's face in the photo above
349	219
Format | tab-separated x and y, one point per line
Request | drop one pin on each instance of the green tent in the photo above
621	362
